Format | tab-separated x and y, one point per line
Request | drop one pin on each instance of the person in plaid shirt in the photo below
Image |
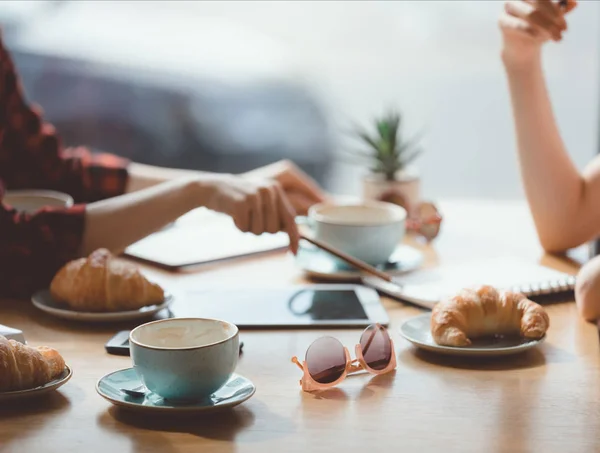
117	202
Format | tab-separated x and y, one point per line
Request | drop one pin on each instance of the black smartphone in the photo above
119	344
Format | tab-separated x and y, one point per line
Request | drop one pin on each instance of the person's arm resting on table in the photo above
34	246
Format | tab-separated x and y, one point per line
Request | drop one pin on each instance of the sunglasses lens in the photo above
326	360
376	347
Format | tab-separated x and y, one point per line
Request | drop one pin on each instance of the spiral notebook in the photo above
425	288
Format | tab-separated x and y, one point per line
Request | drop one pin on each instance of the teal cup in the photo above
184	358
369	231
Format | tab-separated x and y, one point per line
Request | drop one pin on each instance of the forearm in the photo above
554	187
117	222
142	176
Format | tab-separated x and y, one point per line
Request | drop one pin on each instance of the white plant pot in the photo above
407	185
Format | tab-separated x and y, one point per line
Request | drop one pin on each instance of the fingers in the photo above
257	213
294	179
571	4
266	208
552	10
541	16
242	217
567	5
300	202
288	219
304	185
514	24
271	209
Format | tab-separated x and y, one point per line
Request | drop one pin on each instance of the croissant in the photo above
23	367
484	311
101	283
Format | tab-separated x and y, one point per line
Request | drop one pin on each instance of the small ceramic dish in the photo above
417	330
38	391
319	264
44	301
237	390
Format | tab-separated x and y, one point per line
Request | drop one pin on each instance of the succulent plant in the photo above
387	152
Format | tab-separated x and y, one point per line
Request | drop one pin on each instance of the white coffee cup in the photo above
369	231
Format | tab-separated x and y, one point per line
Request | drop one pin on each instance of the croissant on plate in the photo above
102	283
485	311
24	367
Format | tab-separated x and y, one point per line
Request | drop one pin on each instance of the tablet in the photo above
289	307
202	237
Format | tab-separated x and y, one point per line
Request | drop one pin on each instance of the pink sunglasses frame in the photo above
352	366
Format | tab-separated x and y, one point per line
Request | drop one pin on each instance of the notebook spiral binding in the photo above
544	288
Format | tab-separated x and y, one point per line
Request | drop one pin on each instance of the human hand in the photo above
587	290
257	206
527	24
301	190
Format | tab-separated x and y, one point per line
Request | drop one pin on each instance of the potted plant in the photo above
389	157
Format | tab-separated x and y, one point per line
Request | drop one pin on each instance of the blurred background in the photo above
228	86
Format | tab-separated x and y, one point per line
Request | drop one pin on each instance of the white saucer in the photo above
31	200
44	301
38	391
417	330
321	265
109	387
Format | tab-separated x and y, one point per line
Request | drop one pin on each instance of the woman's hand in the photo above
587	294
257	206
527	24
301	190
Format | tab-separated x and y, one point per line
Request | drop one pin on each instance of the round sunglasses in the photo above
327	361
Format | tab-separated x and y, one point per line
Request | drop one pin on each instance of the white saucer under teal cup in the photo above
321	265
417	330
109	387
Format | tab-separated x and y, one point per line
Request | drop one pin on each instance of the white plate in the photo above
108	387
417	330
44	301
38	391
32	200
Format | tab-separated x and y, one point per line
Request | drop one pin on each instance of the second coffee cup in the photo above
369	231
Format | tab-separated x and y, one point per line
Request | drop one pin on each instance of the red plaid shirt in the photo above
34	246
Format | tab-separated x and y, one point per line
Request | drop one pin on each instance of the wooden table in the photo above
546	400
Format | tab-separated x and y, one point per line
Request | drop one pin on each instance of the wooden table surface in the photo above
546	400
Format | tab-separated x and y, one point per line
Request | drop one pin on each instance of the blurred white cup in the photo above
32	200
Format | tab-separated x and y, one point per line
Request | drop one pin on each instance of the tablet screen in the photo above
259	307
